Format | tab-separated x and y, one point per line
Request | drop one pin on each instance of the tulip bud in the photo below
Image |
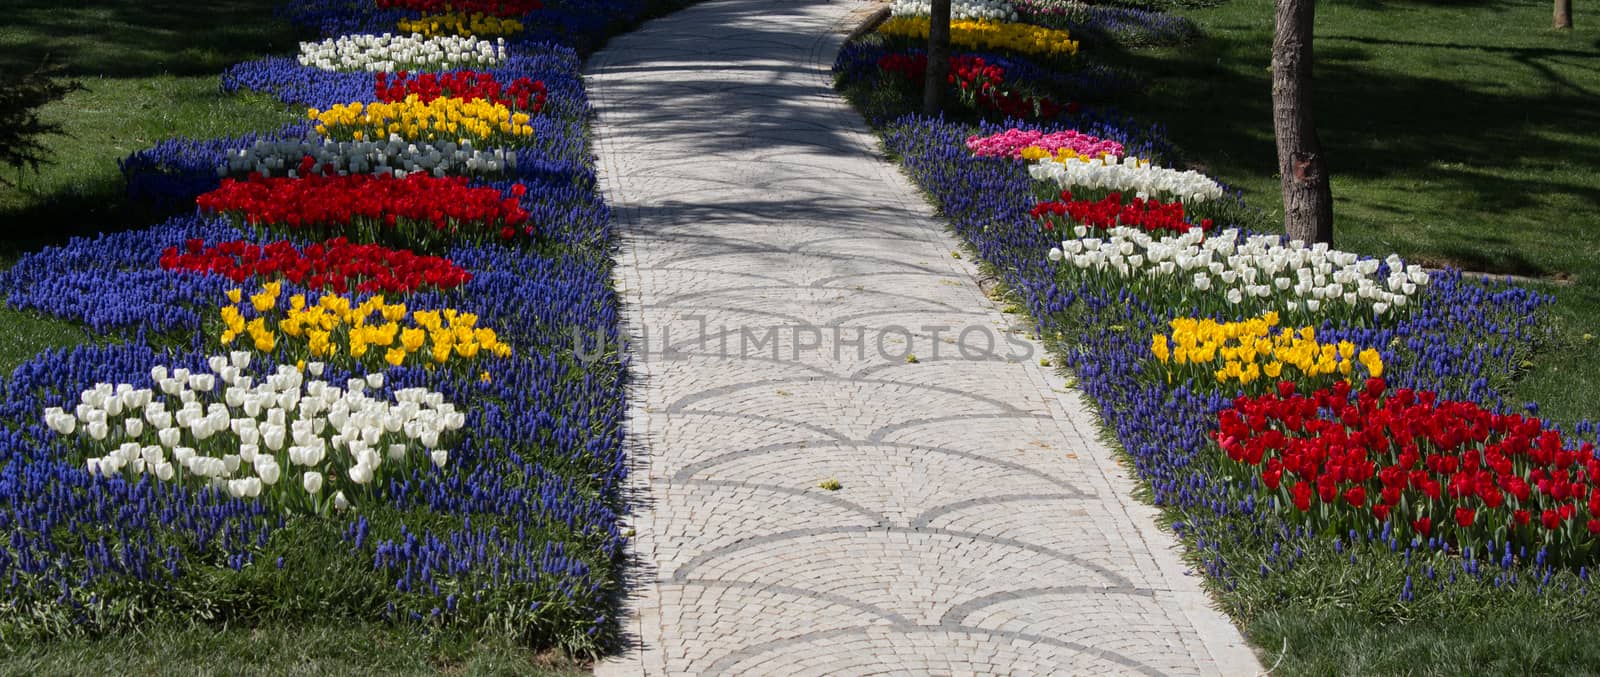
339	501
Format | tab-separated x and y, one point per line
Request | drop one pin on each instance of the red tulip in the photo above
1355	496
1302	495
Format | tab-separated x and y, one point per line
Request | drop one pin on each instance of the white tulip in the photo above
439	457
312	482
273	437
267	469
339	502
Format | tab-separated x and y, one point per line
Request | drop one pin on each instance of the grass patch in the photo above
349	647
150	71
27	334
1457	134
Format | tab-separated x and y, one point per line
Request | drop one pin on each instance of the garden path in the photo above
779	276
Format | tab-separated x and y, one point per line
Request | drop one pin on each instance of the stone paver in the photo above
778	275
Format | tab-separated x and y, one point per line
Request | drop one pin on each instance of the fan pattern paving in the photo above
798	315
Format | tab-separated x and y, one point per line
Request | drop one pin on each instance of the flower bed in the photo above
429	437
1460	340
977	83
980	34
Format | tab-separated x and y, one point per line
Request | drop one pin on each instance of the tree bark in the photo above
938	58
1307	199
1563	19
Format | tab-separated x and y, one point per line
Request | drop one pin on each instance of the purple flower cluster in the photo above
517	534
115	282
172	173
1464	340
1108	25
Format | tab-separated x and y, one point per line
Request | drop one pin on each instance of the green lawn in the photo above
150	71
285	648
1457	133
150	68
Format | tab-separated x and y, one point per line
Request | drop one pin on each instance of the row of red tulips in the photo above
337	264
1434	468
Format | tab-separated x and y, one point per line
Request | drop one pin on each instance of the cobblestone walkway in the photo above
799	316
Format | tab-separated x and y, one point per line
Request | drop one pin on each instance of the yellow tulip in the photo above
411	339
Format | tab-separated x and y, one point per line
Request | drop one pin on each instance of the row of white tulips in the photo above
225	429
976	10
1259	272
1127	175
394	156
391	53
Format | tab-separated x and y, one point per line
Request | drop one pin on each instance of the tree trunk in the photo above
938	58
1563	14
1307	199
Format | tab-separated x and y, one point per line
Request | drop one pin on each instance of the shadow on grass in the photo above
132	38
1495	149
101	206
